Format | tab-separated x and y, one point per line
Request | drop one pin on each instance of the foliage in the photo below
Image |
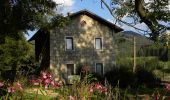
78	91
158	50
46	79
16	18
125	77
122	75
22	15
147	78
14	51
141	11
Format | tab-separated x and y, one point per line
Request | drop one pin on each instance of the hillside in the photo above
124	41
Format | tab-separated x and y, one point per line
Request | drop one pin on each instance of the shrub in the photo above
147	78
122	75
125	77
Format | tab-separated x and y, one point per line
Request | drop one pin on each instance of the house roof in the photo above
96	17
90	14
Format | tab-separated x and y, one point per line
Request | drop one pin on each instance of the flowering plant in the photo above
11	88
97	87
167	87
46	79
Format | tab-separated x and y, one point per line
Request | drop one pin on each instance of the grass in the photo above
30	96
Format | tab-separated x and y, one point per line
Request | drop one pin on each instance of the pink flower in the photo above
91	89
46	86
104	90
35	82
49	75
47	81
71	98
56	85
43	75
98	86
167	87
11	89
19	86
1	84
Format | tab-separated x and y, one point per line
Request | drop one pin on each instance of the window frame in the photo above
101	43
74	68
66	43
96	67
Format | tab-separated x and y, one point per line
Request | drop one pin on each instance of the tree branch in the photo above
140	9
119	19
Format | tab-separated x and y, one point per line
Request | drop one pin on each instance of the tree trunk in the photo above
141	11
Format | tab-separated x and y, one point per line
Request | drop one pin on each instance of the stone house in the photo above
88	40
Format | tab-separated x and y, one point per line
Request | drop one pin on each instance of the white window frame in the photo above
95	43
96	67
73	68
66	43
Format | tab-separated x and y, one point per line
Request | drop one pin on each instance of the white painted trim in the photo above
73	68
96	66
95	43
66	42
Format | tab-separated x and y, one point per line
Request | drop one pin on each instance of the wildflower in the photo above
55	84
47	81
91	89
98	86
1	84
49	75
43	75
104	90
11	89
46	86
71	98
35	82
167	87
19	86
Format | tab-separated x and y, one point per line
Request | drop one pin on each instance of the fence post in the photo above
134	54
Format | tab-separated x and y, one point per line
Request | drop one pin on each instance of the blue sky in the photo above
77	5
91	5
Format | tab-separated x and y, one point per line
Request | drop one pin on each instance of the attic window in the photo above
83	22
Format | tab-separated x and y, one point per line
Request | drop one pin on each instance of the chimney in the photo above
69	13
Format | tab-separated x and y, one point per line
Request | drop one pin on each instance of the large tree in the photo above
22	15
150	12
16	18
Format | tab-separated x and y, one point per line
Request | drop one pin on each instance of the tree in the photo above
22	15
13	53
151	13
16	18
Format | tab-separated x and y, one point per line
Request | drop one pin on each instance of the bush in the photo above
146	78
122	75
125	77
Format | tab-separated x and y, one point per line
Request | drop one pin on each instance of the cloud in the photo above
64	5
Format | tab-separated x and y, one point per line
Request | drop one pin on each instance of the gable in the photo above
97	18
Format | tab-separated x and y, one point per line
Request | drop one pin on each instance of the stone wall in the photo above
84	51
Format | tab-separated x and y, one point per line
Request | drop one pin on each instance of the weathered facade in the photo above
87	40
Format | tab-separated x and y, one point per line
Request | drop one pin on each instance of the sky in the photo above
91	5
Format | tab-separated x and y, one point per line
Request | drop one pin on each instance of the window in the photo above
69	43
99	68
98	43
70	69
